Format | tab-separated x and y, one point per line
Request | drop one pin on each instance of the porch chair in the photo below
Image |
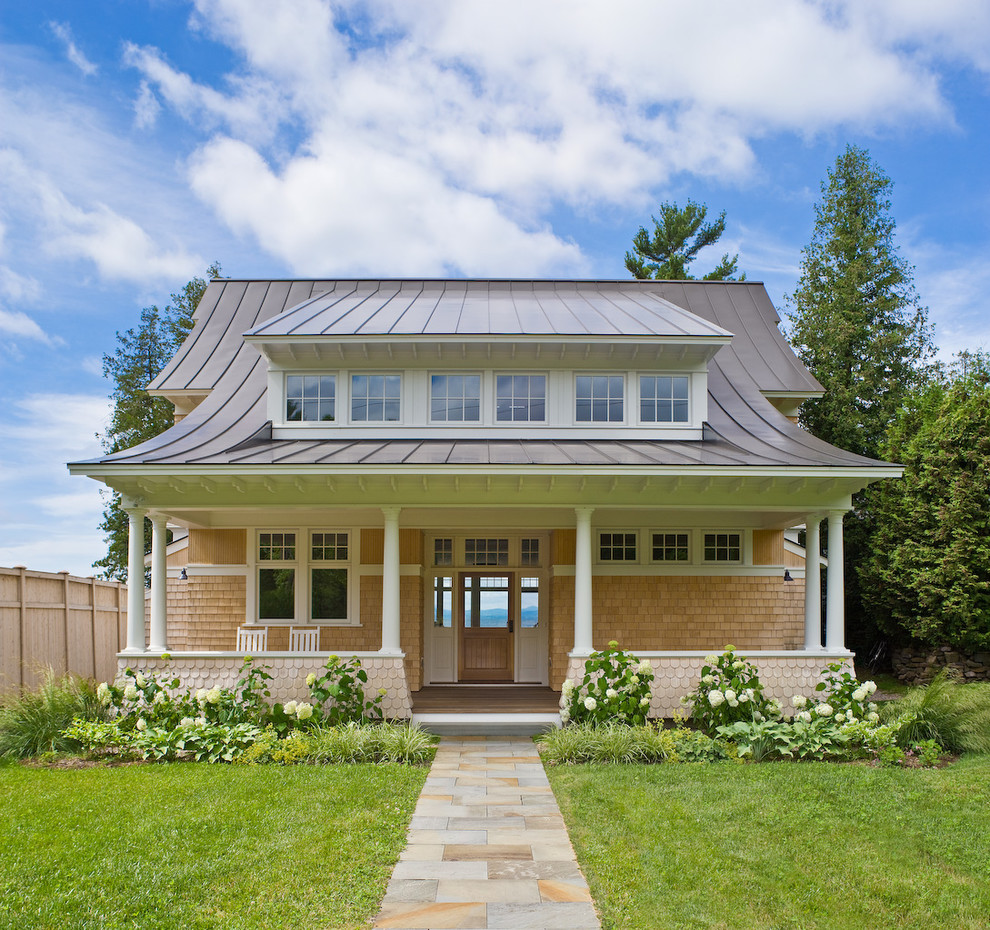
304	639
252	639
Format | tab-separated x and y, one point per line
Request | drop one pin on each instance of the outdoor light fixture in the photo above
182	575
787	575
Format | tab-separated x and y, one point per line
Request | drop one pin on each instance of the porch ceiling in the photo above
762	496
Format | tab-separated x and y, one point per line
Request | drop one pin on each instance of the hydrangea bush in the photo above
729	691
615	689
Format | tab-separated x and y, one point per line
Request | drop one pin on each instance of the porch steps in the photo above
486	724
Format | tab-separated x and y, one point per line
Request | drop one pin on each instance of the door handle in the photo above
511	626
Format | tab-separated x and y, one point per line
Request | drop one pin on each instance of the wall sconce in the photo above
182	575
787	575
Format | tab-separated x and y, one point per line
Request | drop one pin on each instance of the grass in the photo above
807	846
196	846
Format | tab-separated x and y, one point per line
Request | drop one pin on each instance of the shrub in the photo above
729	691
955	715
615	689
35	721
339	693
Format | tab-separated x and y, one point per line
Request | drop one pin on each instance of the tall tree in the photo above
856	320
857	324
927	576
679	234
141	353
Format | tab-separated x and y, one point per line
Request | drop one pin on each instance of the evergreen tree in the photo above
141	353
858	326
856	322
927	576
678	235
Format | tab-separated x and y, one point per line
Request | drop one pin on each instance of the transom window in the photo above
375	398
723	547
443	551
329	547
529	553
310	397
455	398
663	399
486	551
521	398
617	547
277	547
599	398
671	547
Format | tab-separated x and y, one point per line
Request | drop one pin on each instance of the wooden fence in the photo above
70	624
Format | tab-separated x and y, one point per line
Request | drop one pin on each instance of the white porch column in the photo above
835	619
583	645
813	585
391	640
159	585
135	579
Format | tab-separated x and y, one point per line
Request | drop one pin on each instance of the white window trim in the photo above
690	560
598	560
482	375
664	424
521	424
284	400
303	564
743	547
385	424
602	424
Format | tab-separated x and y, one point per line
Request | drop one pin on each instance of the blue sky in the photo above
142	139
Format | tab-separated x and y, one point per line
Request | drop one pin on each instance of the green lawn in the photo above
781	845
191	846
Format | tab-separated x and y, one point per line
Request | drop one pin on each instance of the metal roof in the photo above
230	426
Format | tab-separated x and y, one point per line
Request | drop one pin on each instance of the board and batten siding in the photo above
59	621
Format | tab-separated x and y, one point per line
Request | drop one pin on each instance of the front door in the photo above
486	624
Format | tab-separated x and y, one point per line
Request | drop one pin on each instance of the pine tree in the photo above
678	235
856	322
141	353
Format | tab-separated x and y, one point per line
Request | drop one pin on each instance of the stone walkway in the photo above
487	847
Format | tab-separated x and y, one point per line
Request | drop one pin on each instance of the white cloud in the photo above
75	55
146	107
16	286
51	426
15	323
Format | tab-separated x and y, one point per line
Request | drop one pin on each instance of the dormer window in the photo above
599	398
521	398
310	398
455	398
663	399
375	398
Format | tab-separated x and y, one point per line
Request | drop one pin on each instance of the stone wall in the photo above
676	613
922	663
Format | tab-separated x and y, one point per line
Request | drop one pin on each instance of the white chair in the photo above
304	639
252	639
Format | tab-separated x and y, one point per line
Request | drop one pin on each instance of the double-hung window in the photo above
599	398
663	398
455	398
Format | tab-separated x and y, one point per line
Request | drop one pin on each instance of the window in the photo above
443	551
443	600
521	398
529	553
599	398
617	547
303	583
663	399
671	547
486	551
310	397
529	603
723	547
455	398
375	398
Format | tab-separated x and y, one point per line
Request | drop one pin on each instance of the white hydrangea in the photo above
859	694
130	692
799	701
730	695
873	717
103	693
824	710
563	702
711	660
304	711
644	702
213	695
200	721
840	717
568	687
590	703
611	694
634	680
565	715
141	680
738	663
201	695
734	703
160	697
289	707
805	716
870	687
872	708
644	667
743	697
775	706
142	724
708	679
715	698
186	722
311	679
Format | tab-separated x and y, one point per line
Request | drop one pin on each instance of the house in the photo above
465	481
